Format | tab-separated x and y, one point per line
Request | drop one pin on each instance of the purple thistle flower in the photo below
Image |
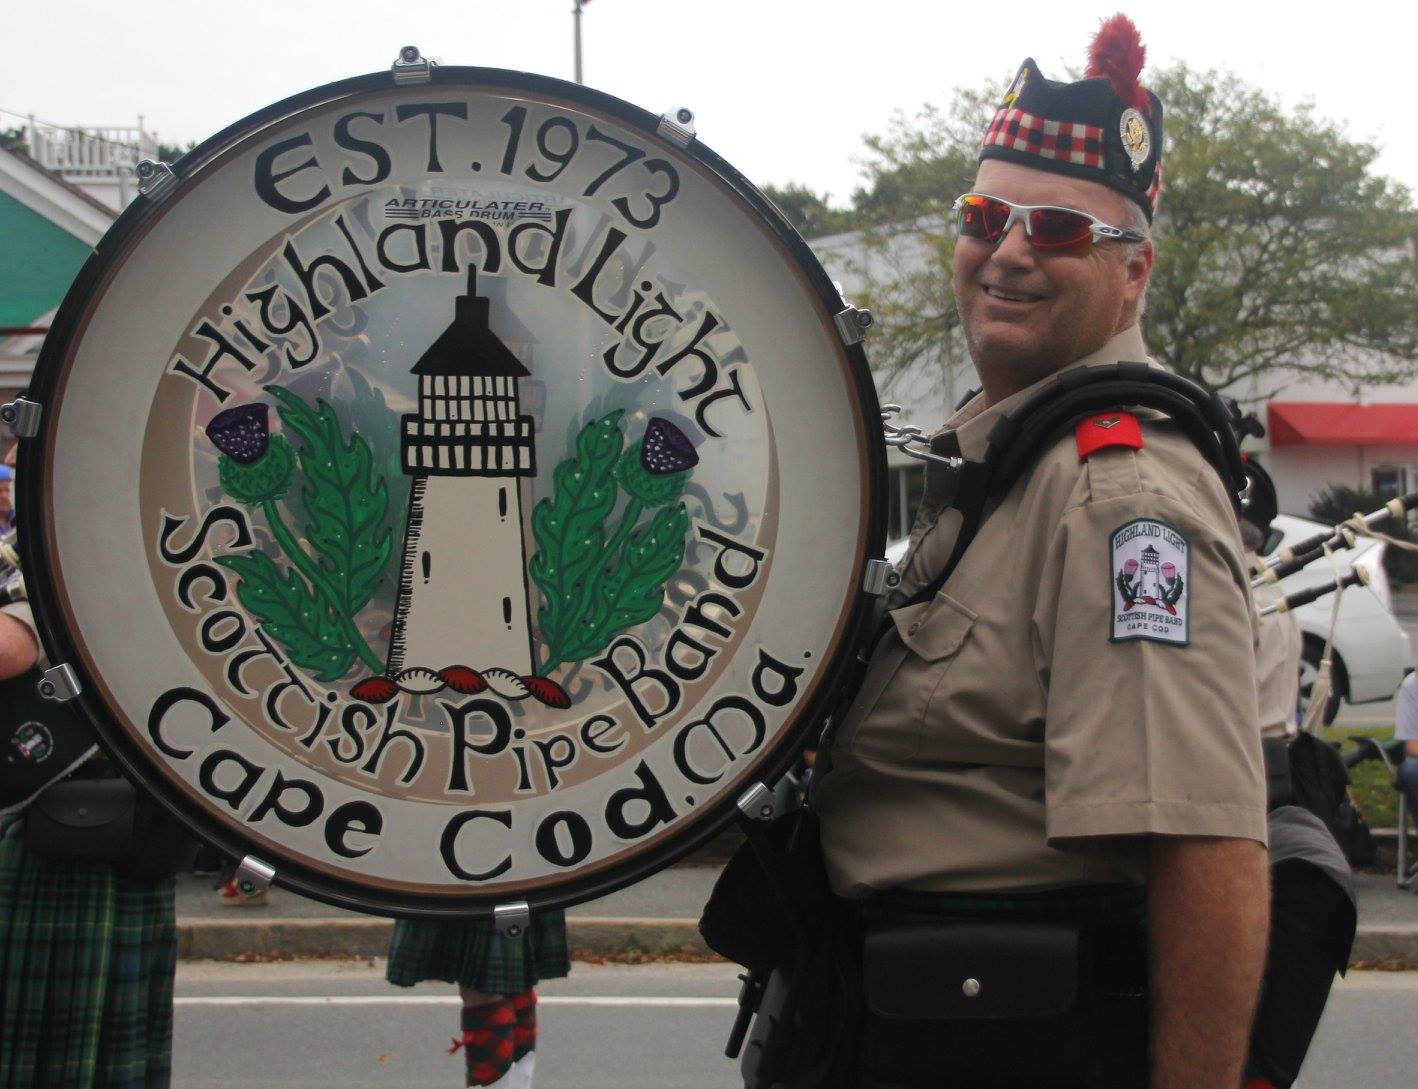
666	449
242	433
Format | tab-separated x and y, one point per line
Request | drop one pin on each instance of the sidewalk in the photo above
658	915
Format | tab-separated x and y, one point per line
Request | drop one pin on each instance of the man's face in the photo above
1028	312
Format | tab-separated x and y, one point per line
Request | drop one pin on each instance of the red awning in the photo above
1339	423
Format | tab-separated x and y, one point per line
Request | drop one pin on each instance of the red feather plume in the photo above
1117	55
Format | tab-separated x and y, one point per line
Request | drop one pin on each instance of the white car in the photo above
1371	652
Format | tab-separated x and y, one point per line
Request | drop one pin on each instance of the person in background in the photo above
496	975
1278	648
87	955
7	498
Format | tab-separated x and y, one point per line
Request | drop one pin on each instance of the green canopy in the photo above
38	262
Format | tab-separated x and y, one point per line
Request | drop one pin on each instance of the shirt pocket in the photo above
886	719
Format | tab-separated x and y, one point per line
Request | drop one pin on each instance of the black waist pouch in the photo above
106	820
989	1004
88	820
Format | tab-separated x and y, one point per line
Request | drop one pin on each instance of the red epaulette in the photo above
1107	429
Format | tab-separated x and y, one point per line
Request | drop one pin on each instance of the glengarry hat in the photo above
1106	127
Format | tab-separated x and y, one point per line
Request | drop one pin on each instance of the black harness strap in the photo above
1017	440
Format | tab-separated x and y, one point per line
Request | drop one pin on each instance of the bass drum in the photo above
452	490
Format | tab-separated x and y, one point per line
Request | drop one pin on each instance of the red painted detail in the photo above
462	679
375	690
547	692
1326	423
1107	429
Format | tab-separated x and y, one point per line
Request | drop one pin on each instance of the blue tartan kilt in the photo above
472	954
86	973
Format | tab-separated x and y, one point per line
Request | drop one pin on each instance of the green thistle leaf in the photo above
346	500
301	621
570	531
633	591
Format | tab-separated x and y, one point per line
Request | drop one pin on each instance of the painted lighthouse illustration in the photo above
461	618
609	535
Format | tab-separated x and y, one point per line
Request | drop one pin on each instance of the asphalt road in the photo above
339	1026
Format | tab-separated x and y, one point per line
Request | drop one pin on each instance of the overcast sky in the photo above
784	89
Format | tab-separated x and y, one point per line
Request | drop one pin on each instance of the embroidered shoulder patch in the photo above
1148	565
1107	429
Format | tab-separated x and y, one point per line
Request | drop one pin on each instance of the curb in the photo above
588	936
287	939
1386	946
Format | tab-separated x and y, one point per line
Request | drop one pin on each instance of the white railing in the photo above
77	153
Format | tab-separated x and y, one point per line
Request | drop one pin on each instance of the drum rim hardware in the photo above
911	440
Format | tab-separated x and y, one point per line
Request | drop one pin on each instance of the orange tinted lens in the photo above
1051	228
982	217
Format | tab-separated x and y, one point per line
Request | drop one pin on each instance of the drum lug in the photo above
22	417
60	683
853	324
155	179
254	875
756	803
677	127
412	67
512	919
880	577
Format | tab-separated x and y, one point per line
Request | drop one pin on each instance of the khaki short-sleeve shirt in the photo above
1278	653
1066	692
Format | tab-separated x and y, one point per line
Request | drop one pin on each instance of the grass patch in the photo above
1373	789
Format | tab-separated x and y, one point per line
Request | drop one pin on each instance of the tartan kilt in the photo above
86	973
472	954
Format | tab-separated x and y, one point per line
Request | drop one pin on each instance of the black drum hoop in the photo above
132	758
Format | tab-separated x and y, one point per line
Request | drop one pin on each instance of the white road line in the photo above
704	1002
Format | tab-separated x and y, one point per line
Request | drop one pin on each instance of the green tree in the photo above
808	211
1279	248
1280	253
170	153
913	173
12	139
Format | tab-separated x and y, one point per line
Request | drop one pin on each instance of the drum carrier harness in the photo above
1017	440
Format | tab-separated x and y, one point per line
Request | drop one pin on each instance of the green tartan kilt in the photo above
86	973
472	954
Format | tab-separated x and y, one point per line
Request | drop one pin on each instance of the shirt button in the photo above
970	988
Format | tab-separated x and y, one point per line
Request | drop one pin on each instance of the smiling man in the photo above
1046	802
